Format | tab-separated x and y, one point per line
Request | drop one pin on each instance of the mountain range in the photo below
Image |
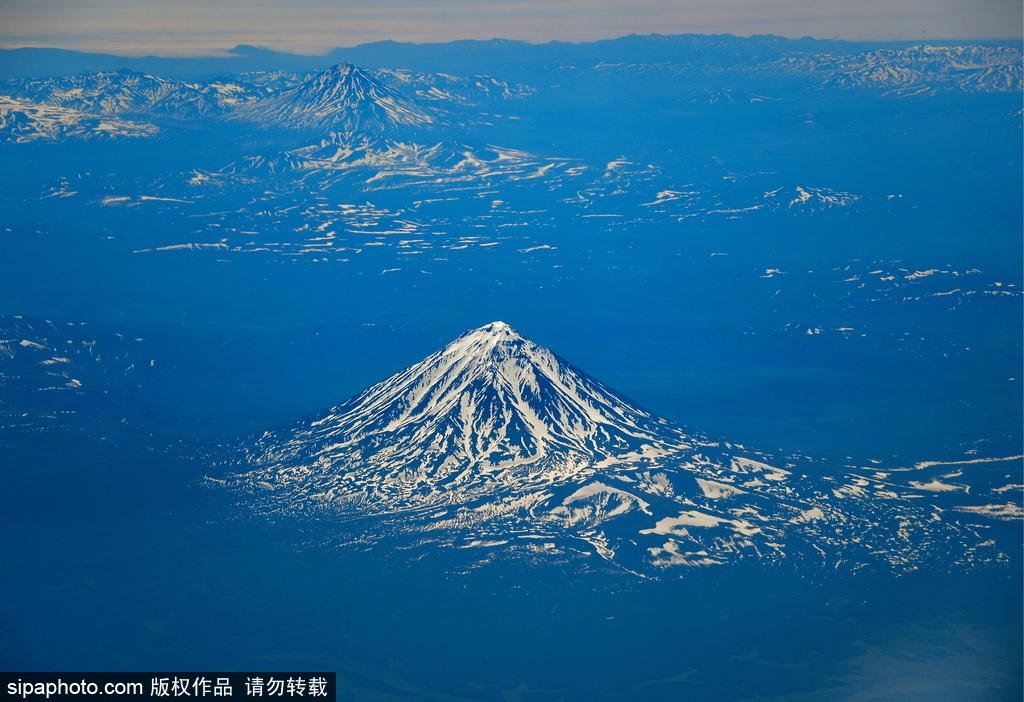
493	56
126	92
22	122
340	98
385	99
916	70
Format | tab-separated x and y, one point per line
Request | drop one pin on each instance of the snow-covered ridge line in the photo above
22	122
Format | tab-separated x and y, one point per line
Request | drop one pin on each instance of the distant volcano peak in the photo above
342	73
343	98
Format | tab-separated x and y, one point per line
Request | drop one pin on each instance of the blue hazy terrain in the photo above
811	248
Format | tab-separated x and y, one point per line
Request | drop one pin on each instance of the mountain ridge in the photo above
455	56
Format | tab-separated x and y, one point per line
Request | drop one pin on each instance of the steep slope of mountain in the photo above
342	98
22	121
496	443
489	407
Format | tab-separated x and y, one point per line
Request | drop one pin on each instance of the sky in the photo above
207	27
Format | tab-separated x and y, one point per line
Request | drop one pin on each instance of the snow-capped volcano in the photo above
489	408
341	98
495	441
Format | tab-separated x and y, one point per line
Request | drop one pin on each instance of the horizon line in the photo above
232	52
